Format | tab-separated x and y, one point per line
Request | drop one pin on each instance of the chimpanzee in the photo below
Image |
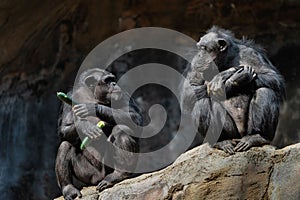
234	76
96	90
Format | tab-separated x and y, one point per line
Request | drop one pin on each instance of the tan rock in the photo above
206	173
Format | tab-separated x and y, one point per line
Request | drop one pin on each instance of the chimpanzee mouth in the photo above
116	95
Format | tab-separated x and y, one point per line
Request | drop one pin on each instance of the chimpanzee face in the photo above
211	47
212	44
107	89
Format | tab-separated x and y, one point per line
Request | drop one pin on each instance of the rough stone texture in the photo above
206	173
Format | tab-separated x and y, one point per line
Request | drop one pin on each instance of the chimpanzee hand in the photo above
88	128
242	76
103	185
227	146
249	141
84	110
70	192
200	91
216	88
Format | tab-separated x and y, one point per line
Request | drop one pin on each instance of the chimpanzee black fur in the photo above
235	75
97	88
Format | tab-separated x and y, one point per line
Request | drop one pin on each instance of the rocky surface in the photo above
206	173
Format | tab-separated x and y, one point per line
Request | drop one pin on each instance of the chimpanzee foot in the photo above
227	146
111	179
250	141
70	192
104	184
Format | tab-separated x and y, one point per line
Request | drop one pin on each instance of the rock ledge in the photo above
206	173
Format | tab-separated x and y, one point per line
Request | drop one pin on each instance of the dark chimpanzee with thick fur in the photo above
234	76
97	88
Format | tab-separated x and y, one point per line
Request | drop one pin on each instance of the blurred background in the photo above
42	44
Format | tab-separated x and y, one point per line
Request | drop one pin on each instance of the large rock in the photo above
206	173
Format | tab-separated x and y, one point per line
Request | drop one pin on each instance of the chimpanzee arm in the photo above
218	86
119	116
225	75
66	126
70	125
242	77
270	78
110	115
202	90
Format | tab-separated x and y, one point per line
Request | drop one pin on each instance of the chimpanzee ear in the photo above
90	81
222	44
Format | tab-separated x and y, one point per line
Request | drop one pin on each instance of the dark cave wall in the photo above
43	43
287	59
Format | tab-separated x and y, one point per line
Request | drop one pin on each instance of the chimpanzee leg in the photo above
263	119
215	124
228	133
63	171
201	115
69	163
122	154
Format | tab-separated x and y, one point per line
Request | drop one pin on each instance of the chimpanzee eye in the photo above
109	79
